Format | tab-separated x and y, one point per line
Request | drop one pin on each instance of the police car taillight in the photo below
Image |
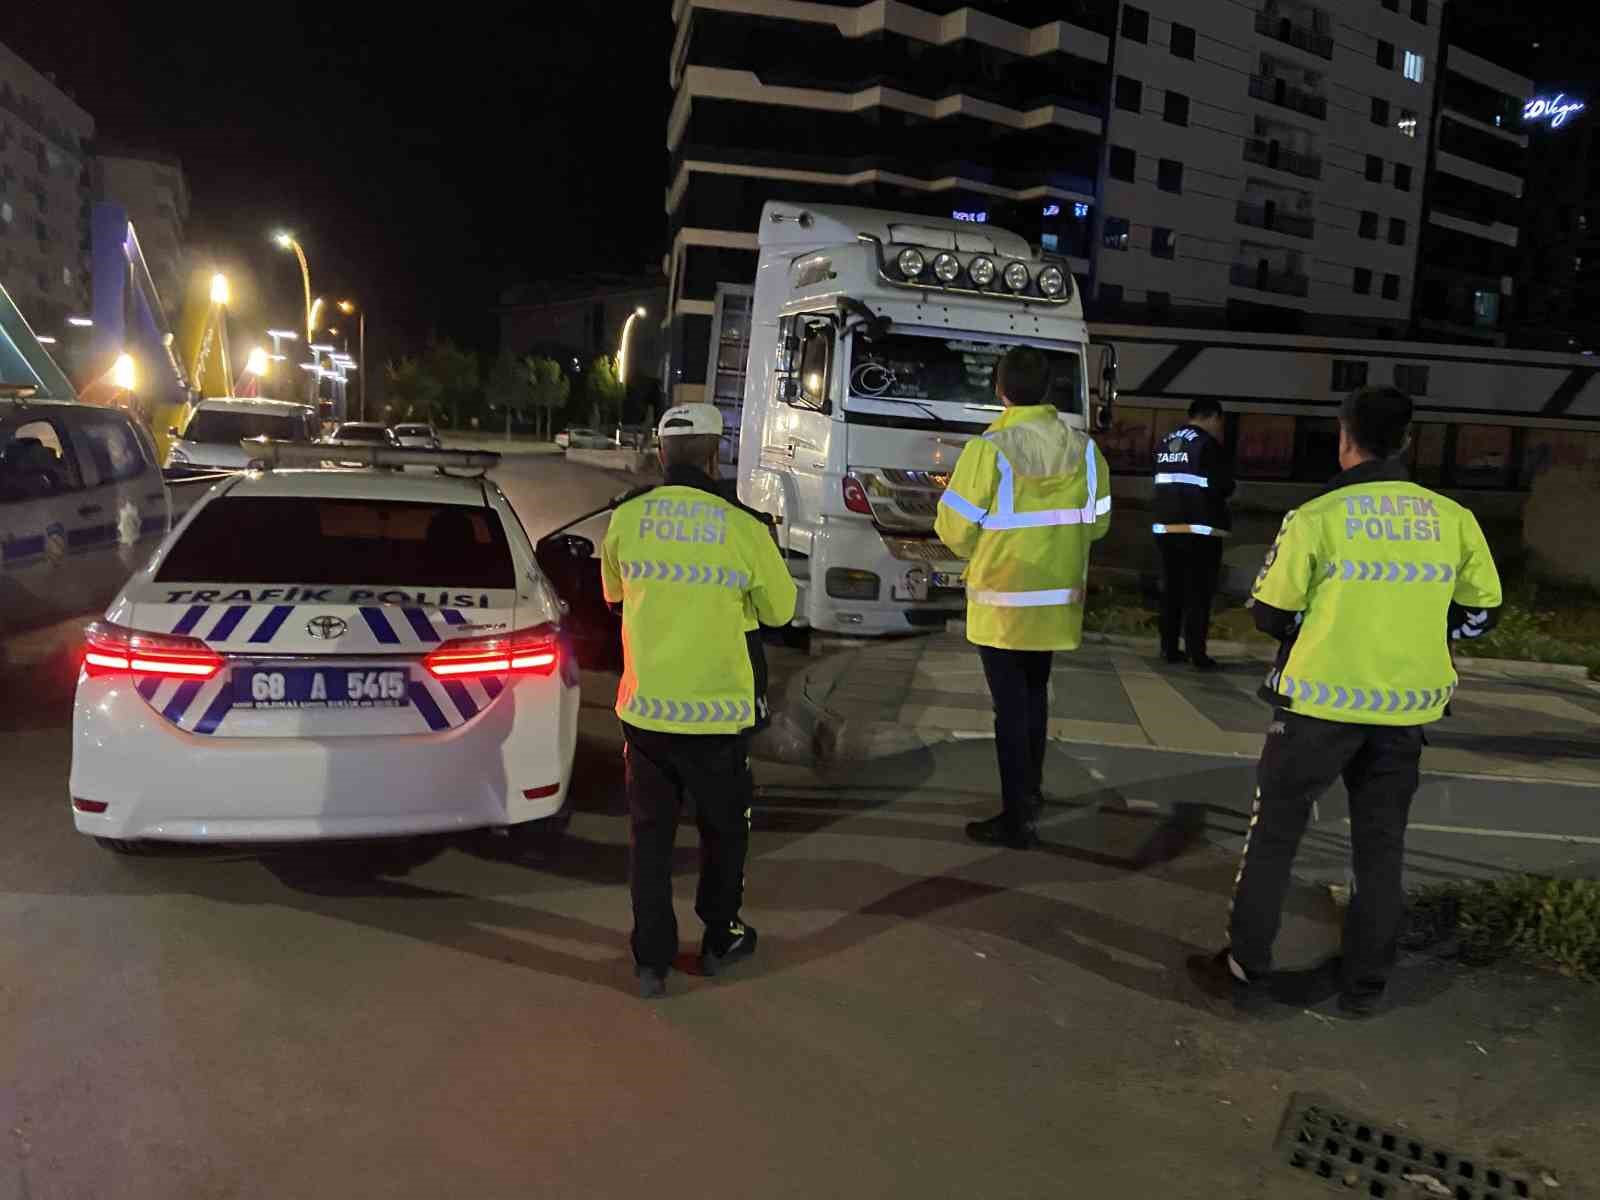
114	650
526	652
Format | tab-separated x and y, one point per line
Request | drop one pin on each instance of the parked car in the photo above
585	439
210	440
563	439
81	503
417	436
361	433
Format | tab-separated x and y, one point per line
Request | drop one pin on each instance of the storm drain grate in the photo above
1322	1139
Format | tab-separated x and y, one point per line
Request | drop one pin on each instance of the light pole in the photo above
288	242
219	302
347	307
622	346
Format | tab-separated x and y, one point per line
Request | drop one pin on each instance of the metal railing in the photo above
1264	279
1277	90
1261	217
1271	154
1285	30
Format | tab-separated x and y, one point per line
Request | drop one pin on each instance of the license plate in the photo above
949	579
320	687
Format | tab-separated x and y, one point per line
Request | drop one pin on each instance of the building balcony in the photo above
1262	216
1263	279
1279	91
1285	30
1271	154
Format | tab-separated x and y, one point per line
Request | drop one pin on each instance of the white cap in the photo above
687	419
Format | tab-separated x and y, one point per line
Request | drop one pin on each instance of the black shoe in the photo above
1215	976
1002	831
727	947
1362	999
1174	656
652	983
1204	662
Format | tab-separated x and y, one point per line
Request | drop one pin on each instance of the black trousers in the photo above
715	771
1019	685
1190	563
1302	757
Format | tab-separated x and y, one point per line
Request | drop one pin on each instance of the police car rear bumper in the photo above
159	782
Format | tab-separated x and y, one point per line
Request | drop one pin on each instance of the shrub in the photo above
1549	923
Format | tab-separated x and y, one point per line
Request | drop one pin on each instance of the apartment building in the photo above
46	144
1264	164
152	190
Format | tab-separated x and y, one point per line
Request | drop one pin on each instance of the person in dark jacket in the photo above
1192	483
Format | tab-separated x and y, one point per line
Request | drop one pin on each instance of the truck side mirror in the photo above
1103	411
789	389
172	431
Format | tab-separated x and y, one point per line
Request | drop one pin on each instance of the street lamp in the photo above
219	304
622	348
347	307
287	241
123	373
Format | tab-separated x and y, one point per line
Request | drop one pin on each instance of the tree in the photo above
455	371
508	387
413	390
603	390
548	388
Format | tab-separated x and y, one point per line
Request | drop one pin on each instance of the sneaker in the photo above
1204	662
1002	831
652	983
1219	977
722	951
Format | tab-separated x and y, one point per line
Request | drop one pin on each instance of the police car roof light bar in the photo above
269	453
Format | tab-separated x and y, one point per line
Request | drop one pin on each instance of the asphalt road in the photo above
924	1018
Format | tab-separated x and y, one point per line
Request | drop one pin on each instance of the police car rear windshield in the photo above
220	425
341	542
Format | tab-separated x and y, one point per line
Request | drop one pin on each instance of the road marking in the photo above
1527	835
1169	719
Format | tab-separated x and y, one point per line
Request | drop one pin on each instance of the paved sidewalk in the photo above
1509	721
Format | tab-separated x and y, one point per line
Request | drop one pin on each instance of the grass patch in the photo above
1553	924
1544	623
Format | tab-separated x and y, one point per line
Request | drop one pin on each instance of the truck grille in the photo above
929	550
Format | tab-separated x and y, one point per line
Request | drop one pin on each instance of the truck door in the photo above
41	498
799	434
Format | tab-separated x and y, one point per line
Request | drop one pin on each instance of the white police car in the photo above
329	654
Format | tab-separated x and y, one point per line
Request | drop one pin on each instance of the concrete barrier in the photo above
634	462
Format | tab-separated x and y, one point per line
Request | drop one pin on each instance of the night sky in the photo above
423	162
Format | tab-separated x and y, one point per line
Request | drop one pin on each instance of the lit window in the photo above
66	276
1407	124
1115	234
1413	68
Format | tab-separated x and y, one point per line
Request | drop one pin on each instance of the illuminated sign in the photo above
1052	210
1080	210
1554	109
977	218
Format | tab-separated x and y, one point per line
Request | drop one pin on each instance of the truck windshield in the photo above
950	379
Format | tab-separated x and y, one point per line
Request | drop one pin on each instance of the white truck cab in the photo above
874	338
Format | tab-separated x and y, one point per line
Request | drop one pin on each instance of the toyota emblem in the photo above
326	627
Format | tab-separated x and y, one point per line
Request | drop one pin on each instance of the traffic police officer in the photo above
1024	504
1191	485
1364	587
691	571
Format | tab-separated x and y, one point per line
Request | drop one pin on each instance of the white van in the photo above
82	505
210	440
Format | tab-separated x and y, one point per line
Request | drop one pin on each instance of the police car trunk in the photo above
330	604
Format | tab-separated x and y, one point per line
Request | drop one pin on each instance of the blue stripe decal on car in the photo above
274	622
190	619
181	699
153	525
463	698
147	686
423	700
379	624
492	685
29	546
420	624
452	616
230	621
220	708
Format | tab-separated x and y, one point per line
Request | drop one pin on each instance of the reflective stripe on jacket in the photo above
1191	484
692	572
1024	504
1372	569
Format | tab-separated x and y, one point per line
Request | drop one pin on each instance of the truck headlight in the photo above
1017	277
947	267
1052	282
981	271
846	583
911	262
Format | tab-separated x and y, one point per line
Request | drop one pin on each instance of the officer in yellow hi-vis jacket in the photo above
690	570
1024	504
1364	588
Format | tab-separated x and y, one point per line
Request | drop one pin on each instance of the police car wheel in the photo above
123	846
538	837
